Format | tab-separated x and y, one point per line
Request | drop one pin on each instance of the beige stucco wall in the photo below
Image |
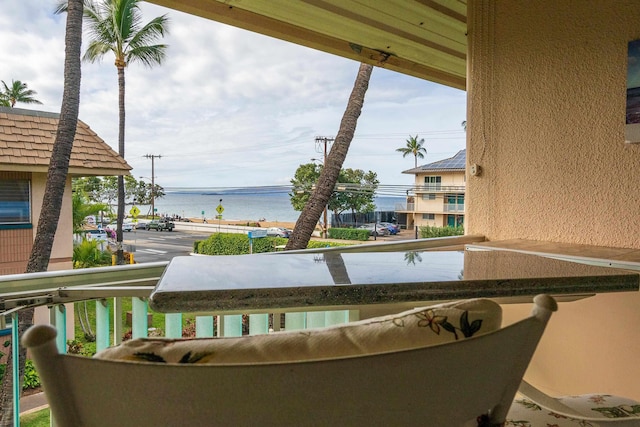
547	93
546	109
62	250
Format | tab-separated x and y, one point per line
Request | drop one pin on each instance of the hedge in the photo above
238	244
349	234
428	231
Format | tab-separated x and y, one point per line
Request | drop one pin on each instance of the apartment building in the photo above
438	194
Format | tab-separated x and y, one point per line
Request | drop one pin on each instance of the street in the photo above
153	246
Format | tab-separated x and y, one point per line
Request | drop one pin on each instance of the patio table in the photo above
333	280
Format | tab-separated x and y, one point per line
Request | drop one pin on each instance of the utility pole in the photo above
325	140
153	157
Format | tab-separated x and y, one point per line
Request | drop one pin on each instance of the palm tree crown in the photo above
17	92
414	147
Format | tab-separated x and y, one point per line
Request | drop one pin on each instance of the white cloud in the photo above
229	107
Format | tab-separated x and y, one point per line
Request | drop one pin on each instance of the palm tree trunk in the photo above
329	176
54	191
120	218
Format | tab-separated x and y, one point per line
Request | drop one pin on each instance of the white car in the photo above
127	226
98	235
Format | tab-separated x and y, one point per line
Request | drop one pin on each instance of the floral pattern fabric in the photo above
526	413
410	329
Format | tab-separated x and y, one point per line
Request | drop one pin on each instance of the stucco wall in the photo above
547	93
62	250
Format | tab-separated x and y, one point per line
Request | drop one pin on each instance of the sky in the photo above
229	107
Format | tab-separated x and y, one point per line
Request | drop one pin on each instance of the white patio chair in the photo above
383	373
533	407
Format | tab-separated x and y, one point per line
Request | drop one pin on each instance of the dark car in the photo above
161	225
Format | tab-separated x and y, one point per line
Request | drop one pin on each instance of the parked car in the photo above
142	226
127	226
375	229
98	235
278	232
393	228
161	225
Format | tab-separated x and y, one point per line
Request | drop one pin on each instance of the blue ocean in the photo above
272	205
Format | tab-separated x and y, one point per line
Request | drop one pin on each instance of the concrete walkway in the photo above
33	402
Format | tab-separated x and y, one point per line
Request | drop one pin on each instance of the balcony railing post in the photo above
258	324
139	320
204	326
173	325
102	324
293	321
15	353
60	317
118	330
316	319
232	326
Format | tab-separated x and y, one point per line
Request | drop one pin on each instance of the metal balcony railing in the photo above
109	285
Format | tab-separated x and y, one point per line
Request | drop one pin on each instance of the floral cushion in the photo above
626	412
414	328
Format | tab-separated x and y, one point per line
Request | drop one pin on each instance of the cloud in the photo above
230	107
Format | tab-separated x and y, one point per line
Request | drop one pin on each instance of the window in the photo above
429	216
15	201
433	182
429	196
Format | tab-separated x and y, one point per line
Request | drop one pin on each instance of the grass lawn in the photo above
89	348
39	418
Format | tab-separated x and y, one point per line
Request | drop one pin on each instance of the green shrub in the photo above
237	244
427	232
349	234
316	244
87	254
31	378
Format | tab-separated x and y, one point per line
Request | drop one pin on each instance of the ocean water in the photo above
272	206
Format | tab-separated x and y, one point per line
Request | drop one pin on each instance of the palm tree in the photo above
414	147
116	26
54	189
17	92
329	176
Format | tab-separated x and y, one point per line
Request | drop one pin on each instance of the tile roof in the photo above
26	143
455	163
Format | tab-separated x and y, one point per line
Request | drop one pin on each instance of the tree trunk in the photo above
54	191
120	218
329	176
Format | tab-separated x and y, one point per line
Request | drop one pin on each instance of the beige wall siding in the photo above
63	243
546	108
547	93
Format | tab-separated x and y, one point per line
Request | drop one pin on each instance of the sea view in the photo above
272	205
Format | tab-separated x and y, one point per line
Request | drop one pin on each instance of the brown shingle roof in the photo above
26	142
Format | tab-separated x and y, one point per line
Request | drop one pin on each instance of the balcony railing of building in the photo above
454	207
431	188
109	285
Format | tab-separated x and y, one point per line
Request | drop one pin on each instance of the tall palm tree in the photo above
116	26
17	92
414	147
54	189
329	176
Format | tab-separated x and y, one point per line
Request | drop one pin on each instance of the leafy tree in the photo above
116	26
320	196
54	189
355	189
17	92
413	147
82	209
